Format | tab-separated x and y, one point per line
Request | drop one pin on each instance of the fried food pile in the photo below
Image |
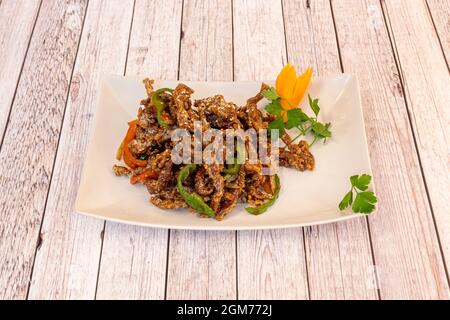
211	190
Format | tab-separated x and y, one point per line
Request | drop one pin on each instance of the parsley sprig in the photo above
296	118
364	201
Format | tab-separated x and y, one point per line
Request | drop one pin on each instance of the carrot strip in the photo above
128	157
149	174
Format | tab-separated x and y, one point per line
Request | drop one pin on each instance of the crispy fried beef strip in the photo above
148	83
258	97
148	138
214	171
217	112
121	171
185	116
231	196
166	176
169	199
298	156
250	115
162	164
203	183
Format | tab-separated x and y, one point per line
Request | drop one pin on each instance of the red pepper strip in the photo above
128	157
149	174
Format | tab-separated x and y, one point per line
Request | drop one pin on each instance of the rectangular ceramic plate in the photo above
306	198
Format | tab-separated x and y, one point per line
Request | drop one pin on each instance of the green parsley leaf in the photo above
347	201
364	202
274	107
321	130
314	104
362	182
353	180
278	123
295	118
270	94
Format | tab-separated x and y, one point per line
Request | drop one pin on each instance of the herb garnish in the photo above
296	118
364	201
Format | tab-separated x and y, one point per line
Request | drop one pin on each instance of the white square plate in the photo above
306	198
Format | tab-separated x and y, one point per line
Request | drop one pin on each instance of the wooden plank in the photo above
209	262
406	251
427	91
17	20
202	265
133	263
440	12
271	263
339	255
31	139
67	260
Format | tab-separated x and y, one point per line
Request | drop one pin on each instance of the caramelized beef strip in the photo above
121	171
169	199
217	112
203	183
185	116
231	196
166	176
146	116
148	83
218	182
148	138
298	156
258	97
162	164
251	116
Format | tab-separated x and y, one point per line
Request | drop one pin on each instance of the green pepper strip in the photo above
231	170
263	208
234	168
159	105
192	199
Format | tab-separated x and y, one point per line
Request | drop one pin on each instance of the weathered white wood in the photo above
339	256
67	260
427	90
202	265
17	19
209	262
406	251
271	263
207	43
133	263
440	12
31	138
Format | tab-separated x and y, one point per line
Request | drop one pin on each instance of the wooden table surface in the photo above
52	55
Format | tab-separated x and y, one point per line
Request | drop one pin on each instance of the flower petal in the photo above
301	86
287	83
280	79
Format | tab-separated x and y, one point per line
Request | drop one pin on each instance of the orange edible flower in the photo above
291	88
